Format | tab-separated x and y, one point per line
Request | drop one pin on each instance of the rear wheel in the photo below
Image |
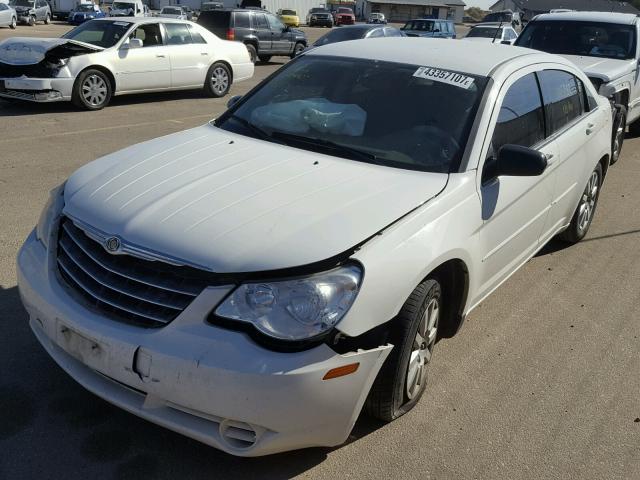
265	58
583	216
218	80
619	131
92	90
403	377
14	23
47	19
253	53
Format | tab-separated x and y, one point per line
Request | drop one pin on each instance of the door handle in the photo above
204	53
160	56
590	128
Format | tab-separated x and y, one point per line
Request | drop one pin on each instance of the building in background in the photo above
403	10
530	8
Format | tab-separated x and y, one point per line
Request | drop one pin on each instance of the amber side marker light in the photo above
341	371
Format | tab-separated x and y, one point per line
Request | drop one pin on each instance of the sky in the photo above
484	4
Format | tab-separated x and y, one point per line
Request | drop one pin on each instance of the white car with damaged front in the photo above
106	57
254	282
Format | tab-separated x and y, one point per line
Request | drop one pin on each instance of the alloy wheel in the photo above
219	80
422	349
617	141
94	90
588	202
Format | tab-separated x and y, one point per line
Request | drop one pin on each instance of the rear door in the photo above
189	60
263	32
145	68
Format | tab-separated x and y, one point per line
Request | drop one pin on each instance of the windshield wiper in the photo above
254	128
342	150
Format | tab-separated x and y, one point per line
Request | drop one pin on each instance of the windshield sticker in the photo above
444	76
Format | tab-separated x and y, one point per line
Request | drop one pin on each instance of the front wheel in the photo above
583	216
14	23
619	131
47	19
265	58
403	378
218	80
92	90
297	50
253	53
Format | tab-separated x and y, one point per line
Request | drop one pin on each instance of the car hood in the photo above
607	69
29	51
230	204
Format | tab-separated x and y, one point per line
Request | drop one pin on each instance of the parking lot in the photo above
542	382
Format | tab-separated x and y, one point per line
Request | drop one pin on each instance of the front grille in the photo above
123	287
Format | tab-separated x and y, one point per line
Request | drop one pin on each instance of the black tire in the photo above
265	58
390	396
579	224
634	128
47	19
32	21
219	79
14	23
619	132
253	53
92	90
298	49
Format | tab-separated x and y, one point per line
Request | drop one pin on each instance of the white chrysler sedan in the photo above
106	57
255	282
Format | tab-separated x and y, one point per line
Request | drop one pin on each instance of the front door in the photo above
514	209
280	43
145	68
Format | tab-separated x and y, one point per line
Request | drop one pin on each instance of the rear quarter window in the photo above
563	98
214	20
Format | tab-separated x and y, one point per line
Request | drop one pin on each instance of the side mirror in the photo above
286	28
233	100
517	161
133	43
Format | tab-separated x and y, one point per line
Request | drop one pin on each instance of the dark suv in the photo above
262	32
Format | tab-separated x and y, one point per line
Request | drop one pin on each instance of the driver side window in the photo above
274	23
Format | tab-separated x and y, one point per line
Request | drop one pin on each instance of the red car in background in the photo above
344	16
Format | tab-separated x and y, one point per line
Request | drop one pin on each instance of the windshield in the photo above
485	32
289	12
99	32
123	6
591	39
419	25
392	114
341	35
22	3
171	11
498	17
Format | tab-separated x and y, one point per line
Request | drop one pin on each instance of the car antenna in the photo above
497	31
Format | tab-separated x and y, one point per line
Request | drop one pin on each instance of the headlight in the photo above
50	212
295	309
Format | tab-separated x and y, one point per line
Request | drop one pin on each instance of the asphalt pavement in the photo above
543	381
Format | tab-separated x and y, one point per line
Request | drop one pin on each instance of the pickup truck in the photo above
605	46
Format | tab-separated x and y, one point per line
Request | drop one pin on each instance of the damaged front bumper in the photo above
214	385
37	89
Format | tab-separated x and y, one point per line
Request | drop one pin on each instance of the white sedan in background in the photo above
487	32
107	57
254	282
8	16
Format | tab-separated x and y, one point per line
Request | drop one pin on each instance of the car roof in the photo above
469	57
137	20
603	17
430	20
492	25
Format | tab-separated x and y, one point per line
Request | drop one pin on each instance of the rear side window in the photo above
195	36
259	21
241	20
521	117
214	20
563	98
